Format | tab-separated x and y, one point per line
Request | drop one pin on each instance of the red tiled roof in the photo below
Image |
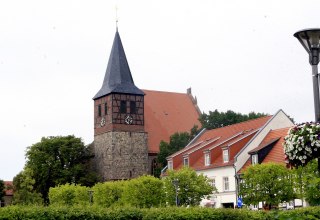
276	154
231	130
235	136
167	113
8	184
264	145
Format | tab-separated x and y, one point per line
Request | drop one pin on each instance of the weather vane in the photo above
117	17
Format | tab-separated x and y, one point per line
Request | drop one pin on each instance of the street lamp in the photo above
310	40
176	185
90	196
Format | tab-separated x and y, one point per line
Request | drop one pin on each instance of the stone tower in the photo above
120	140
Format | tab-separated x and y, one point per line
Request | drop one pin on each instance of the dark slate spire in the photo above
118	77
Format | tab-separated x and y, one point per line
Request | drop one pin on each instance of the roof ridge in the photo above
164	91
243	122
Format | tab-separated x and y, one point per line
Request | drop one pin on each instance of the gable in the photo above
278	121
270	149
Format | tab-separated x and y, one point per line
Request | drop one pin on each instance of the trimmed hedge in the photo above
173	213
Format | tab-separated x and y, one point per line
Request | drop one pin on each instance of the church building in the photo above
129	123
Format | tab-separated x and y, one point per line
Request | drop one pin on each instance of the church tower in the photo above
120	140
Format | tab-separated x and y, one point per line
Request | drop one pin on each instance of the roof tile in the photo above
167	113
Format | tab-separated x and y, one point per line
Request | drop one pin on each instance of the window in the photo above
226	183
207	159
254	159
123	107
213	181
105	108
133	107
99	110
225	156
186	161
170	165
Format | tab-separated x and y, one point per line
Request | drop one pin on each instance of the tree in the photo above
216	119
307	183
23	187
269	183
177	142
69	195
2	191
57	161
144	192
192	188
109	194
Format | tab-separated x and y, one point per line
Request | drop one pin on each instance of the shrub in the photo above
69	195
144	192
108	194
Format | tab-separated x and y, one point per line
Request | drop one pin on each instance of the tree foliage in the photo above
69	195
192	188
109	194
307	182
177	141
23	187
269	183
59	160
2	190
144	192
216	119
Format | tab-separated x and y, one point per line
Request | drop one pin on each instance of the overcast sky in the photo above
237	55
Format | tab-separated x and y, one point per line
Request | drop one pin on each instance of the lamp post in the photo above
90	196
310	40
176	184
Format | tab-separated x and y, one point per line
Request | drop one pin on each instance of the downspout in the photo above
236	177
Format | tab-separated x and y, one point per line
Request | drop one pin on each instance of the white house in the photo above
221	153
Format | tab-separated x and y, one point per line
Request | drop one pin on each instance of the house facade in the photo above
221	153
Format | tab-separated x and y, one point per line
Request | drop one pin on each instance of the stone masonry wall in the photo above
121	155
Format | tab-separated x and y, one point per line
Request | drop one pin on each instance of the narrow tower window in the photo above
123	107
105	108
99	110
133	107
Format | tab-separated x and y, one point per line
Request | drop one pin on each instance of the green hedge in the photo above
69	195
71	212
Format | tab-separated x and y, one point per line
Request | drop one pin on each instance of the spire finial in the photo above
117	17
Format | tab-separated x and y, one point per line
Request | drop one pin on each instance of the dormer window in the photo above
225	156
186	161
207	159
254	159
170	165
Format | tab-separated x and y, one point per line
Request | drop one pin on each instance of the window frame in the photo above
213	181
133	107
105	108
123	106
226	184
225	156
186	161
254	159
207	159
99	110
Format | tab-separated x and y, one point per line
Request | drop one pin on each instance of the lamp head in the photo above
310	40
